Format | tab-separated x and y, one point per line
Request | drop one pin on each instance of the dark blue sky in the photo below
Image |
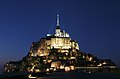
95	24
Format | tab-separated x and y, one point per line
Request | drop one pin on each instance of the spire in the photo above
58	21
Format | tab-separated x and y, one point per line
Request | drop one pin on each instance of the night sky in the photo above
94	24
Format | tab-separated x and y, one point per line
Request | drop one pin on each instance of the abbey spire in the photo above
58	22
58	31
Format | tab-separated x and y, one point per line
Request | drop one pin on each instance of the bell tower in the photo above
57	31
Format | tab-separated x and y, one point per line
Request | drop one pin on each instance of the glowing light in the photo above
72	67
49	61
72	58
99	64
90	58
55	64
30	76
62	67
55	69
67	68
104	63
89	72
47	69
37	70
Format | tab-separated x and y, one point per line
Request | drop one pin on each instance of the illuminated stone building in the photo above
60	41
57	51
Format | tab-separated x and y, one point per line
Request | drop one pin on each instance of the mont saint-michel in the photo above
57	52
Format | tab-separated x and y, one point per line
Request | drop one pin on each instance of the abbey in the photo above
60	41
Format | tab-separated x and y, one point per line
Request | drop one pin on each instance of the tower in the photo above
57	31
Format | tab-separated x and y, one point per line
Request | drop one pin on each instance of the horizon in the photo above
93	24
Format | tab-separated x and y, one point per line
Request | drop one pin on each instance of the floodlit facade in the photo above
60	41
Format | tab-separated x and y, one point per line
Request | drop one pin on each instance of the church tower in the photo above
57	31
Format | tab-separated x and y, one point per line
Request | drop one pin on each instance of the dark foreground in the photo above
68	75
